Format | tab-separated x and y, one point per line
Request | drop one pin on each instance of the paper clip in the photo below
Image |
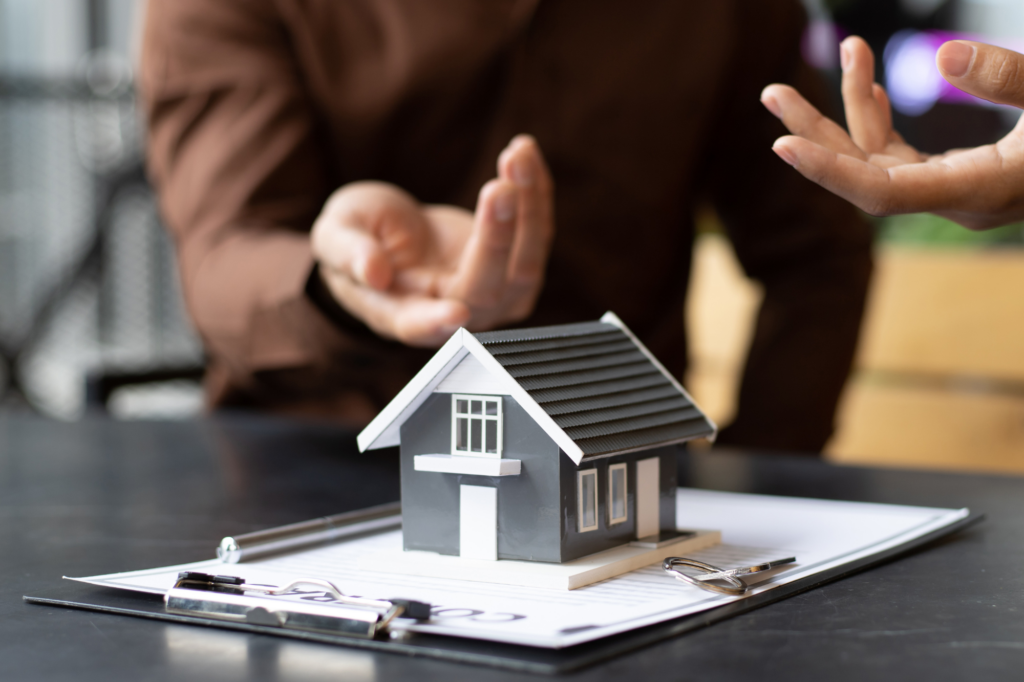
230	598
735	586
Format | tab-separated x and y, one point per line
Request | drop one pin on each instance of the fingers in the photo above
483	267
366	230
523	164
986	71
413	319
352	251
869	125
884	107
905	188
861	183
367	240
801	118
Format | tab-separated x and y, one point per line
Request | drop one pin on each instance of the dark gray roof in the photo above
598	386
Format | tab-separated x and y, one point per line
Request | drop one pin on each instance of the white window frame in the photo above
483	418
612	519
579	500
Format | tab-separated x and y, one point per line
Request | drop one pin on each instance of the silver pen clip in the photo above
747	570
713	575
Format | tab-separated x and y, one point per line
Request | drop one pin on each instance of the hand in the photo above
873	167
417	273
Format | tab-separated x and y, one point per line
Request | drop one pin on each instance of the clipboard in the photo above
481	652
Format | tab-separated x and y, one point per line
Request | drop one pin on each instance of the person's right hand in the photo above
873	167
417	273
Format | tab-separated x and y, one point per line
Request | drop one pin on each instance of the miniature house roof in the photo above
593	387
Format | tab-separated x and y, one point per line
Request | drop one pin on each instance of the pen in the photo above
713	575
747	570
316	531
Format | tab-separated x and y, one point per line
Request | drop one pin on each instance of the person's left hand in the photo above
415	273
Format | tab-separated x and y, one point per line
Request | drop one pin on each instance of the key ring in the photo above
738	587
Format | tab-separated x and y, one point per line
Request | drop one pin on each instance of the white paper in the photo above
821	534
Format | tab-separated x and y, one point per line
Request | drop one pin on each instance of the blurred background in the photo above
939	380
91	318
88	288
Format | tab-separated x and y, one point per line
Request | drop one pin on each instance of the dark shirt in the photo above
259	109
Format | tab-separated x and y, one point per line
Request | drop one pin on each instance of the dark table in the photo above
100	496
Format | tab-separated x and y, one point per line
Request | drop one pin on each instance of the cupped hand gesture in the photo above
416	273
872	167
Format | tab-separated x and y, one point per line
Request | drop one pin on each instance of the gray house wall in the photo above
537	510
576	544
528	504
667	486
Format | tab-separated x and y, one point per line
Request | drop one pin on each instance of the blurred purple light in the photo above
820	44
913	81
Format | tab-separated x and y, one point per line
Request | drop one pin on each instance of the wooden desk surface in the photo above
100	496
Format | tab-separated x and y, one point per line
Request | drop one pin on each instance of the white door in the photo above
478	522
647	512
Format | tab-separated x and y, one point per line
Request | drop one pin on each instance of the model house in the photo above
544	444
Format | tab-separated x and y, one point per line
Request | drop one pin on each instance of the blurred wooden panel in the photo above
714	390
954	319
719	316
886	424
948	313
947	329
722	303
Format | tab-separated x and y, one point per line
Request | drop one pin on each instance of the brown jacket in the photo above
258	109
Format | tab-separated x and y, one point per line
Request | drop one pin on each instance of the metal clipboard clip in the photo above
230	598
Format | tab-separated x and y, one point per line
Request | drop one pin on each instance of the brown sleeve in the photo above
809	249
235	156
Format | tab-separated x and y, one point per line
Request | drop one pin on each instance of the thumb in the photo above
982	70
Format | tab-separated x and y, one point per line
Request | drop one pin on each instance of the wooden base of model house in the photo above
565	576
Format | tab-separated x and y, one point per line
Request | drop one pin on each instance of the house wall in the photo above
668	485
576	544
528	504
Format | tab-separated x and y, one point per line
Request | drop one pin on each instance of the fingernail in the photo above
844	57
956	58
359	269
363	264
505	206
785	154
771	105
522	172
521	138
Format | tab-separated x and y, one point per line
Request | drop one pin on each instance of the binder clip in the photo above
230	598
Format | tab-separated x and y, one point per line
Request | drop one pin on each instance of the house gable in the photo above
385	429
592	387
470	376
528	505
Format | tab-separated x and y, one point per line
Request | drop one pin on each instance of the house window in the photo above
476	425
587	494
616	493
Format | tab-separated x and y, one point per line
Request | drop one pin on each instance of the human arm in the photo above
872	167
244	165
214	78
809	250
